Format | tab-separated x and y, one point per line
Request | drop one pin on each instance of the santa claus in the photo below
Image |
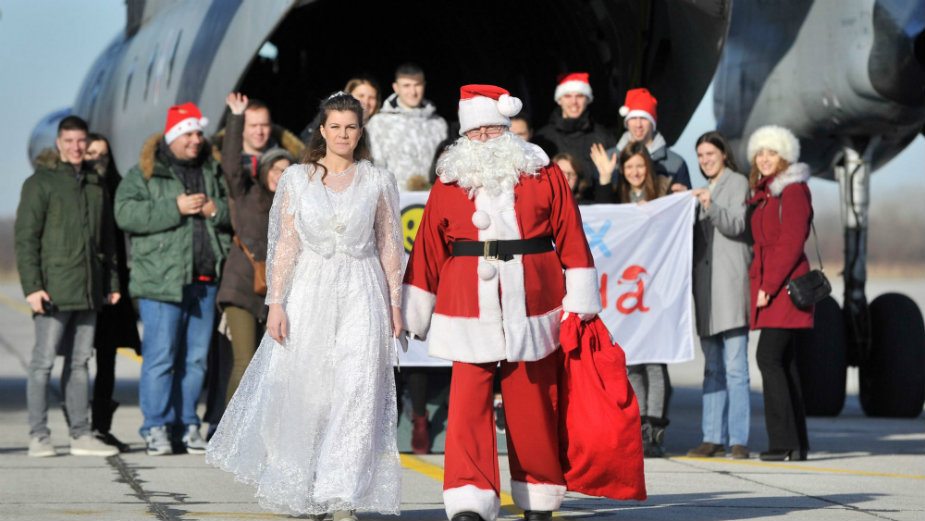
499	255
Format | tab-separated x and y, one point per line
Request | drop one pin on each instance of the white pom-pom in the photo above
509	106
481	220
203	122
486	271
624	110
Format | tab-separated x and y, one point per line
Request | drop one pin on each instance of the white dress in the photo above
313	422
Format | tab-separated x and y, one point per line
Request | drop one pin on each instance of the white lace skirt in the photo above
312	425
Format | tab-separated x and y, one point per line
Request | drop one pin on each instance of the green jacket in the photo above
162	239
65	236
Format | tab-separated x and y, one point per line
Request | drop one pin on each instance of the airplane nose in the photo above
897	60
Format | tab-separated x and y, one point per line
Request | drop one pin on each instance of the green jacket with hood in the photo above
65	236
162	239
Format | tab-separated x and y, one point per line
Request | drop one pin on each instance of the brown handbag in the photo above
260	268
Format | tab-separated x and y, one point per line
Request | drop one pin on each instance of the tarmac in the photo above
859	467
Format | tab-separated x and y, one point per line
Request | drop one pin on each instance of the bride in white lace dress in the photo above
312	424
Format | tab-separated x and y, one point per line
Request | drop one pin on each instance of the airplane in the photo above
848	77
293	53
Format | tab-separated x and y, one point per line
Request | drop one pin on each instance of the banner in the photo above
643	255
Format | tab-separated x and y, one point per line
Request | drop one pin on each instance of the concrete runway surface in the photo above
859	468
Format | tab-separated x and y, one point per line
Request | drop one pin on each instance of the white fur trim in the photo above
544	497
481	220
187	125
776	138
624	110
486	271
796	173
480	111
637	114
477	340
417	308
469	498
582	292
509	105
573	86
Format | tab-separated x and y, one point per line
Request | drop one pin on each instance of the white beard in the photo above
494	165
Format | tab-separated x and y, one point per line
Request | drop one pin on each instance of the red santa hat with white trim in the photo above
574	83
484	106
182	119
640	103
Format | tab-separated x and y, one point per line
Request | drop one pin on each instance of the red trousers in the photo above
471	478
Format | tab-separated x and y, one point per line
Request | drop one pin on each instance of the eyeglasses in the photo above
492	132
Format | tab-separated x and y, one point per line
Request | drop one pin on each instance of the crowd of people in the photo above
300	273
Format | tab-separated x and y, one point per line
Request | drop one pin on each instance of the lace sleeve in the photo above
389	236
283	245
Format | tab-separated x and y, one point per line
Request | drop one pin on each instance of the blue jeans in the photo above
726	407
174	351
72	330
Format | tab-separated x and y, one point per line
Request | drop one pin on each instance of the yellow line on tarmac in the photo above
800	466
435	473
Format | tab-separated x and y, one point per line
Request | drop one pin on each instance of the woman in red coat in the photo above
780	226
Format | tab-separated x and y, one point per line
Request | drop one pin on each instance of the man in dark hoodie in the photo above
65	254
173	204
571	130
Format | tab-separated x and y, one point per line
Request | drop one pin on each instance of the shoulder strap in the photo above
812	224
240	244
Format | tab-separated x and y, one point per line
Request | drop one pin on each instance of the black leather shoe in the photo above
783	455
467	516
537	515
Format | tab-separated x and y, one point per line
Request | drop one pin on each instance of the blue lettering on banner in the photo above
596	238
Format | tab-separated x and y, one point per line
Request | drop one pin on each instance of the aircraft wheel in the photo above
822	361
893	376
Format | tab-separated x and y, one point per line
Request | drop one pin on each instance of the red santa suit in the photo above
478	311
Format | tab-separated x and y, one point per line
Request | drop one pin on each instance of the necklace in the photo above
343	173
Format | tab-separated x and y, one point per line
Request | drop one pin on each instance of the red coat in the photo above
780	226
477	310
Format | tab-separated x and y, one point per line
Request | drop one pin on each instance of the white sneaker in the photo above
158	444
41	447
87	445
193	441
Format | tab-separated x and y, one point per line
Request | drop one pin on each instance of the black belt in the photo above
502	250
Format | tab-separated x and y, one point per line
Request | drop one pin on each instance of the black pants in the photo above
103	404
784	416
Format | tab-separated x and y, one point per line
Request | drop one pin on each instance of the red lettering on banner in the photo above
634	299
603	287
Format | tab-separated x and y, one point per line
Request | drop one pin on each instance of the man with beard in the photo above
485	282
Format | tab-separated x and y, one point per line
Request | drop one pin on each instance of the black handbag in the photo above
808	289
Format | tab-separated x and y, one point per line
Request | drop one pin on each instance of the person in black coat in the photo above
117	325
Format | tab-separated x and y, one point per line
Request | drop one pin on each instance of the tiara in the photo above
336	94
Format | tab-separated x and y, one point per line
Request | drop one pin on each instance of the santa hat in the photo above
574	83
640	103
182	119
486	105
778	139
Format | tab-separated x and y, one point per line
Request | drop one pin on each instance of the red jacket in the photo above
780	226
477	310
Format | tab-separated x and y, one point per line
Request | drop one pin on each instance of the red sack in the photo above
600	436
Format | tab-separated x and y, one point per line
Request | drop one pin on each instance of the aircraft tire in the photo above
822	361
892	379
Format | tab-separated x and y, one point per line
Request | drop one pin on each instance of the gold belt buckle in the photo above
486	249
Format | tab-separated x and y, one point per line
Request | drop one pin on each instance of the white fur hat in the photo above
776	138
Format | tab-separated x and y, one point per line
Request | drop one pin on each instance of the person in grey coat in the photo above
720	280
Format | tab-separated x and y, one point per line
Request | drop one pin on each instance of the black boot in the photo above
537	515
653	432
467	516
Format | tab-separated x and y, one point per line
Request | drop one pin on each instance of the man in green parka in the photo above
65	254
174	206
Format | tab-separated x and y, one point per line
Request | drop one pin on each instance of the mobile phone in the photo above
49	307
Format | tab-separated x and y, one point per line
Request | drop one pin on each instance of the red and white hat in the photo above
182	119
574	83
486	105
640	103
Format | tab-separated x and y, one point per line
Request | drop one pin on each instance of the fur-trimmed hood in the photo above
795	173
147	159
279	136
47	158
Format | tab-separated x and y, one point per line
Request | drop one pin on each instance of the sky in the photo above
55	42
